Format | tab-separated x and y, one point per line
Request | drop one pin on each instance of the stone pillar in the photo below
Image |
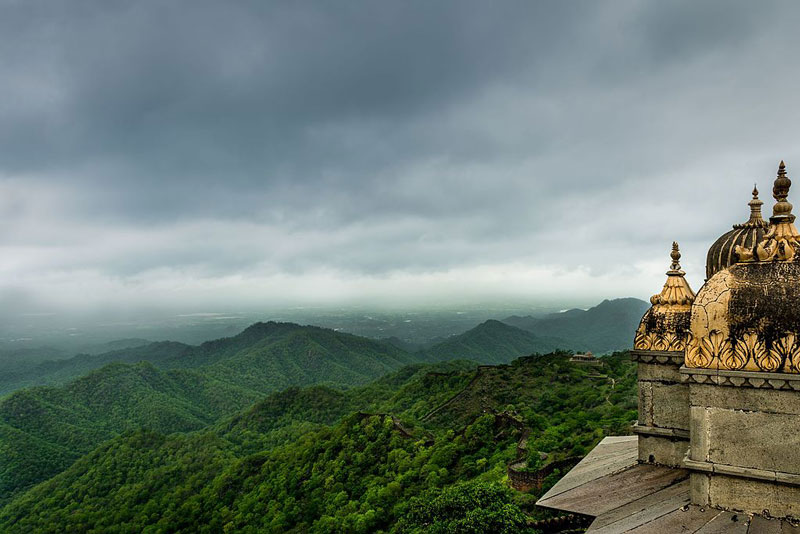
663	426
745	440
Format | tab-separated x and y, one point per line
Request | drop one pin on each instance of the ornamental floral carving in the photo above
793	357
783	350
669	341
746	353
750	347
716	345
644	340
695	357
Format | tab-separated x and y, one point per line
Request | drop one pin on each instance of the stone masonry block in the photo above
754	439
670	405
749	399
752	496
662	451
659	372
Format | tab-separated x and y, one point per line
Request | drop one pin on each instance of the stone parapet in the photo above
745	440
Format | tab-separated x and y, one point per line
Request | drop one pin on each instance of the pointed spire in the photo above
782	211
676	293
756	220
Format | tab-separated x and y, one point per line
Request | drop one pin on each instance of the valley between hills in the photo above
290	428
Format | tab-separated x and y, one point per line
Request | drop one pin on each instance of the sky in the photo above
198	156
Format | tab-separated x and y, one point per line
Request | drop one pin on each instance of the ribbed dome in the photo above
722	253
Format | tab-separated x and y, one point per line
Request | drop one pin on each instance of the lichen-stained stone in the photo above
646	403
698	488
710	309
709	323
659	372
698	433
754	439
658	348
785	401
670	405
736	493
719	379
747	317
665	326
662	451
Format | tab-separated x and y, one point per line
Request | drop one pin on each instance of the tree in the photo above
465	508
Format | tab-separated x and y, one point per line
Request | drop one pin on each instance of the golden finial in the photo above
780	190
676	256
782	240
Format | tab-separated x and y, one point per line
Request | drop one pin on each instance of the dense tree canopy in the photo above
423	449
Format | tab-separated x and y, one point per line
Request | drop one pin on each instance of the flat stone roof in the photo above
626	496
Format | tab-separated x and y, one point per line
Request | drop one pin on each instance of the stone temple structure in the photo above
717	442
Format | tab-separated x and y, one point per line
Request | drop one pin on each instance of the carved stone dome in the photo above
722	253
747	316
665	326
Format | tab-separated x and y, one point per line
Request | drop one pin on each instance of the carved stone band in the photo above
656	356
746	379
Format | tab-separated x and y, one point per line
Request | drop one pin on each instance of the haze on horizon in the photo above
197	156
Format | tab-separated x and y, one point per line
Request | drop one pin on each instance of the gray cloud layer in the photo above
218	152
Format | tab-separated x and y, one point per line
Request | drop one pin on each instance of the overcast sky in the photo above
201	155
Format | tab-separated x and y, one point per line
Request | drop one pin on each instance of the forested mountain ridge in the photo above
493	342
603	328
182	388
55	371
339	472
374	358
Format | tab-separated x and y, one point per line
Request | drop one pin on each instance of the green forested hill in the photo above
184	388
44	429
272	356
56	371
412	391
344	470
281	354
494	342
606	327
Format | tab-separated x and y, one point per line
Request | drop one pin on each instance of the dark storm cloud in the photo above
214	139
